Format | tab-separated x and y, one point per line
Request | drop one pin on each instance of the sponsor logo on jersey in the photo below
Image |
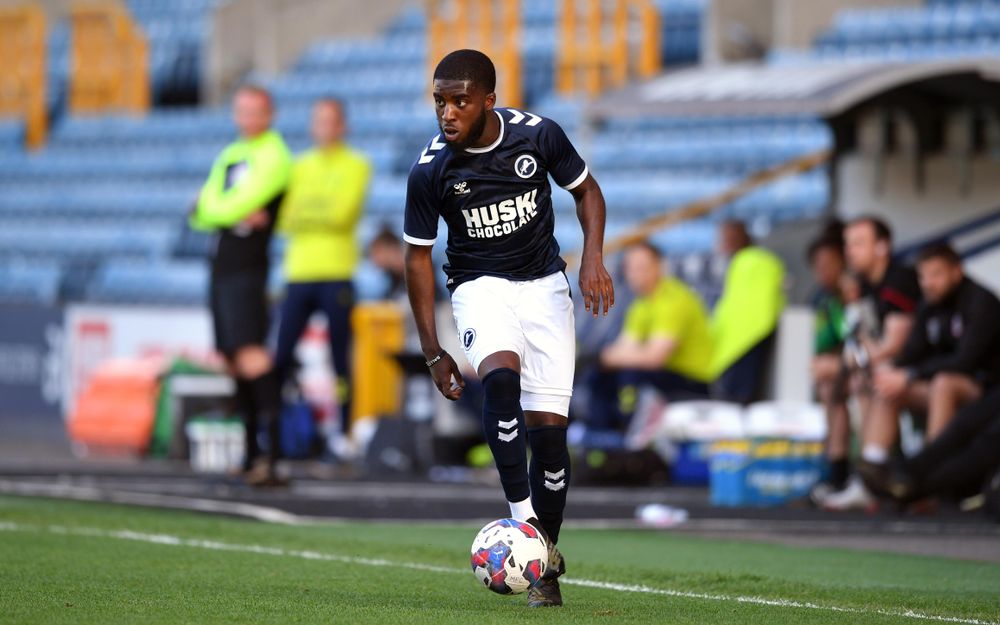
525	166
461	188
497	220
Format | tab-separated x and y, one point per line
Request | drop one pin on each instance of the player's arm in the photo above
419	271
595	282
894	334
627	353
221	208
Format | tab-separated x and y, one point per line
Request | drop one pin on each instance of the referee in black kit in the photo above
239	204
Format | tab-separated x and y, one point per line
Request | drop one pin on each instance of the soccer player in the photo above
319	217
487	174
239	203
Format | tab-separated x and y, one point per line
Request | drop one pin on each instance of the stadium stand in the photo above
117	188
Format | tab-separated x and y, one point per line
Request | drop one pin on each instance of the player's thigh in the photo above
917	396
547	367
486	320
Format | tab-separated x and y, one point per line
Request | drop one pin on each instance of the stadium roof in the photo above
824	89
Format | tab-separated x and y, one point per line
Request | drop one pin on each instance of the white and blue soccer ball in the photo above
509	556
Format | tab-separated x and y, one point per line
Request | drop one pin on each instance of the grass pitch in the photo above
65	562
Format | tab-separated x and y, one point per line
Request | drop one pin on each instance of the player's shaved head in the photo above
471	65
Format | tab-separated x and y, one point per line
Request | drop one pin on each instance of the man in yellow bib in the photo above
746	317
319	217
665	343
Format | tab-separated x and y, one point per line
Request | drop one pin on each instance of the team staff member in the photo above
951	356
665	342
319	217
239	203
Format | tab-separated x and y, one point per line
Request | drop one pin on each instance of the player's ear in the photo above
491	100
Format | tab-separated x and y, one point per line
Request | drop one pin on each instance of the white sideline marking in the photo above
177	541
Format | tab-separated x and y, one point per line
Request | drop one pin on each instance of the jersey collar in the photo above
493	145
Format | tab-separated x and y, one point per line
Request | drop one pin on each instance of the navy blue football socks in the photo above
503	425
549	474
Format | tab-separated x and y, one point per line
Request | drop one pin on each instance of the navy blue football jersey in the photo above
496	200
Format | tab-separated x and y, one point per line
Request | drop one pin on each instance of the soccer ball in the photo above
509	556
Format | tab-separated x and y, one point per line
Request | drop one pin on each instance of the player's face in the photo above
938	278
328	125
462	108
827	266
861	247
251	112
642	270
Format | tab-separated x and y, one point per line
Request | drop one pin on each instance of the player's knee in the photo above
946	382
548	443
502	391
252	362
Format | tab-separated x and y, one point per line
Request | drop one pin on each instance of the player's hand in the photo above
257	220
447	378
595	285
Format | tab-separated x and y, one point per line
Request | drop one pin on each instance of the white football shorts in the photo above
533	319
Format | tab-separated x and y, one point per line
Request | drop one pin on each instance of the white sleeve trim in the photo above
417	240
576	183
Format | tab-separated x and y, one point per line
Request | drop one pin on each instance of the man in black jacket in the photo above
952	354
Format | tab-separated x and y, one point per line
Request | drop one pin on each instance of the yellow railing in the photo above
22	77
108	61
490	26
594	51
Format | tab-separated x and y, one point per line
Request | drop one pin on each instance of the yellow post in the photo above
594	51
479	29
649	52
618	55
22	83
108	61
567	60
376	377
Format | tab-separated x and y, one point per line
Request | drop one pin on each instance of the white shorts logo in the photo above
525	166
468	338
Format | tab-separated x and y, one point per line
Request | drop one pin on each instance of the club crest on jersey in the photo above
461	188
503	218
525	166
468	338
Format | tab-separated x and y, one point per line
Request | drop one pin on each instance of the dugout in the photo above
915	141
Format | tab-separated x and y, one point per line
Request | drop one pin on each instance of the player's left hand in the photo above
257	220
596	285
447	377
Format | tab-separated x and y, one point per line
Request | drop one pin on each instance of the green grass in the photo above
49	575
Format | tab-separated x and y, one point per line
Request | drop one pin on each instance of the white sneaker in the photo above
820	493
854	497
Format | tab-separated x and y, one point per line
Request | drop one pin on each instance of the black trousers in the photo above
958	461
335	299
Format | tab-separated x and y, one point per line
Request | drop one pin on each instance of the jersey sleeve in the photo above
563	161
420	218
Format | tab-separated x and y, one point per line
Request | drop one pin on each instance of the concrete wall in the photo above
914	213
731	25
266	36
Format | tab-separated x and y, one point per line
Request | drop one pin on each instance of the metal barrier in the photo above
22	82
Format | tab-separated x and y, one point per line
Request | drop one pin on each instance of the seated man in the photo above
745	319
951	356
957	462
665	343
826	257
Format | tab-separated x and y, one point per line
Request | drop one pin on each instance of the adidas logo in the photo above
510	434
555	480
